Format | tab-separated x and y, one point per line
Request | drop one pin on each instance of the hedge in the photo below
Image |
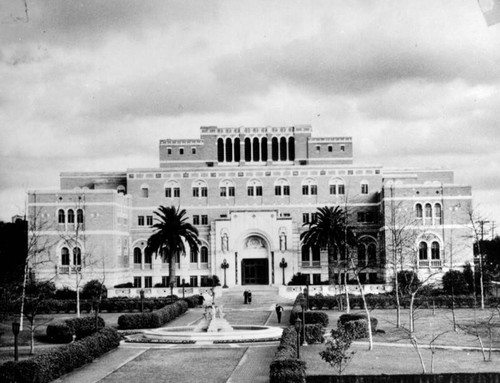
315	333
462	377
192	301
52	364
153	319
311	317
285	367
357	325
63	331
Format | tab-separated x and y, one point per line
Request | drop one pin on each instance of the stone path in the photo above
195	363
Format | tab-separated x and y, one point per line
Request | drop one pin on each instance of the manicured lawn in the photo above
179	365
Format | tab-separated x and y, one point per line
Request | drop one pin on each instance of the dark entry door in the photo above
255	272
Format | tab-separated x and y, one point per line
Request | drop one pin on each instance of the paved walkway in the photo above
192	363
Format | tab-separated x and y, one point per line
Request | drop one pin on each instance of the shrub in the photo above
65	293
285	366
153	319
298	279
192	301
311	317
94	289
63	331
124	285
54	363
315	333
356	325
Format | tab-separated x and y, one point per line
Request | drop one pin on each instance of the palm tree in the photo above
329	230
171	236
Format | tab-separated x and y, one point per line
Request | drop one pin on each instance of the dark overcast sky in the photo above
94	85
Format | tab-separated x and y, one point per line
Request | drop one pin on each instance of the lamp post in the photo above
283	266
303	305
142	300
224	267
95	304
298	324
171	292
307	294
183	287
16	326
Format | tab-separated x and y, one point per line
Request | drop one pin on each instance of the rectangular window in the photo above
370	217
194	258
250	191
193	150
137	282
177	192
181	151
196	219
305	190
372	277
204	191
277	190
204	255
193	280
333	189
342	148
149	220
165	280
169	151
204	280
361	216
364	188
148	282
196	192
341	189
313	217
140	220
231	191
168	193
223	191
305	217
330	148
318	148
314	189
204	219
258	190
316	279
286	190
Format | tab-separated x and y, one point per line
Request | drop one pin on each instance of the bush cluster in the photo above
52	364
315	333
63	331
192	301
285	367
472	377
357	325
311	317
153	319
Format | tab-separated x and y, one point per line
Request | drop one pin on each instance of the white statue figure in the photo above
225	247
283	242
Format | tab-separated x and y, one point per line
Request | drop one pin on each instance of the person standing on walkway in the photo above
249	294
279	310
245	296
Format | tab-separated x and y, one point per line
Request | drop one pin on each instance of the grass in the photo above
207	365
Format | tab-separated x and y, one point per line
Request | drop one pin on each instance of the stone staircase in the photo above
263	297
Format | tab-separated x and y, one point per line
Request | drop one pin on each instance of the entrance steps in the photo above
263	296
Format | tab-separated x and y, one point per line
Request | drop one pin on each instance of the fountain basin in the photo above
187	334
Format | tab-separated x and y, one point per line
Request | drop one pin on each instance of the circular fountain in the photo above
212	327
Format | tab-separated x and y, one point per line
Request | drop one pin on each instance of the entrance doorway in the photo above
254	272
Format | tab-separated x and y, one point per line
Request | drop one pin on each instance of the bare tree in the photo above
477	225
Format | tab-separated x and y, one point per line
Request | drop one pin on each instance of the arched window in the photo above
361	255
437	213
71	216
193	257
336	186
428	210
237	149
137	256
372	254
418	210
204	254
256	149
435	250
282	187
65	256
291	149
364	187
283	155
77	256
263	148
148	257
79	216
248	150
220	150
199	188
309	187
275	149
226	188
172	189
305	254
422	251
144	191
254	188
61	216
229	150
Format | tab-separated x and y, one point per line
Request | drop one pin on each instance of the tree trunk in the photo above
331	269
347	303
417	348
412	327
369	323
32	337
171	270
77	295
398	303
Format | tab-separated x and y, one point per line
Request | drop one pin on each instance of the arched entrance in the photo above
255	261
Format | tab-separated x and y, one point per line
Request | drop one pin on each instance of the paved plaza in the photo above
134	362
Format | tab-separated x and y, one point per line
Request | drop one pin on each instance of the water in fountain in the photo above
213	321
